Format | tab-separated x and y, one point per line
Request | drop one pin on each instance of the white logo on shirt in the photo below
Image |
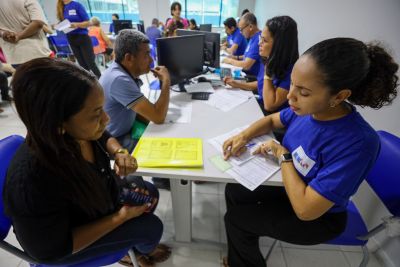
231	42
72	12
301	161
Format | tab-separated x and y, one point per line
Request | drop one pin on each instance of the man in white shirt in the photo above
21	34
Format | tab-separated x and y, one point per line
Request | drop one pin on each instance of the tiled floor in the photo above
208	209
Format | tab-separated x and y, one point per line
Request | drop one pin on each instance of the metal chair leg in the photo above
365	259
133	258
270	249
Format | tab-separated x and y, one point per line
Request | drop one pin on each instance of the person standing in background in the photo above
114	17
176	9
78	39
21	34
153	32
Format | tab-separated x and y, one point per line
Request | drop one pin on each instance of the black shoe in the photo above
7	98
161	183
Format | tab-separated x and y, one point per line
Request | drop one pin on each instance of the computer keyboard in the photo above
201	96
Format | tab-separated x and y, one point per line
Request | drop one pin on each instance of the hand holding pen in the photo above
271	148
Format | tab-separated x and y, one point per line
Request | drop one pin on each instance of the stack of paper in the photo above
64	26
248	169
225	100
169	152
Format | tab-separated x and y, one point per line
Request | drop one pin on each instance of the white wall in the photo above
159	9
366	20
50	10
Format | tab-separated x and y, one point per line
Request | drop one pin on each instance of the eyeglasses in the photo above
261	39
242	29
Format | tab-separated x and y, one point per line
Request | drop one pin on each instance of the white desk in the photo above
207	122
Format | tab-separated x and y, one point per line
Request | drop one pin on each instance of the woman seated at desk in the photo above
279	51
332	146
61	194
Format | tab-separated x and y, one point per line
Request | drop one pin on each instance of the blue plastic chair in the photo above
8	147
95	42
61	45
384	181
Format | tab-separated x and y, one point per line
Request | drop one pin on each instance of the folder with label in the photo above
169	152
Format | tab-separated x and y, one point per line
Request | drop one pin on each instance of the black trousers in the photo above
267	211
82	46
3	84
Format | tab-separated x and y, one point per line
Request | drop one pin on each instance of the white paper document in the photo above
248	169
64	26
179	112
226	100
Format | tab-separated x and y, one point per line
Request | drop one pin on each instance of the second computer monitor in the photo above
211	46
205	27
182	55
122	25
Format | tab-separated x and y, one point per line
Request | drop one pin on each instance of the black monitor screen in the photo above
183	56
140	27
205	27
122	25
211	46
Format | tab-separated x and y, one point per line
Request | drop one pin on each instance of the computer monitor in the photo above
205	27
211	46
183	56
122	25
140	27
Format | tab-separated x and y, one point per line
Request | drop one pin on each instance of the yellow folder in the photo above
169	152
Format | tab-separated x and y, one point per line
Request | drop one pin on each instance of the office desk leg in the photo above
181	195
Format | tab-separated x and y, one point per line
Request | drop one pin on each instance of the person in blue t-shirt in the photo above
327	151
251	58
235	44
279	51
78	39
114	17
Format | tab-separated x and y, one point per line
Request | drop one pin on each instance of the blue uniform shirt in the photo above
121	93
278	83
333	157
75	12
253	53
111	28
237	38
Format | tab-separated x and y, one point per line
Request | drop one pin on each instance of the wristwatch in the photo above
285	157
122	151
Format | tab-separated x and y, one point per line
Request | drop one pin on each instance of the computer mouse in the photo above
202	79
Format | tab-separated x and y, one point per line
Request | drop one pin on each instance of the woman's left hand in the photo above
124	164
74	25
271	147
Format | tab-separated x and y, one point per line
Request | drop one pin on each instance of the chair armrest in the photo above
16	252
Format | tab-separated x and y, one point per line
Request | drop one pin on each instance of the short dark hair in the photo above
245	11
47	93
174	5
230	22
285	48
193	21
250	18
115	15
128	41
365	69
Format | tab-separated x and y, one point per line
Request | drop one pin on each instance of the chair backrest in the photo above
384	177
8	147
95	42
60	43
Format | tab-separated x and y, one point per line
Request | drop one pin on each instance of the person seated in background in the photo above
176	9
114	17
105	44
193	25
327	152
153	32
279	51
61	194
250	61
126	105
235	44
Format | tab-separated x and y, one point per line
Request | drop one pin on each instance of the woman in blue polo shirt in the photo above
235	42
78	39
279	51
327	151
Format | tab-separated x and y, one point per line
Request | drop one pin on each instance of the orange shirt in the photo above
95	31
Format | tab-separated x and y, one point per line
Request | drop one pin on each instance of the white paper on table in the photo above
254	172
218	141
229	66
64	26
179	112
226	100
